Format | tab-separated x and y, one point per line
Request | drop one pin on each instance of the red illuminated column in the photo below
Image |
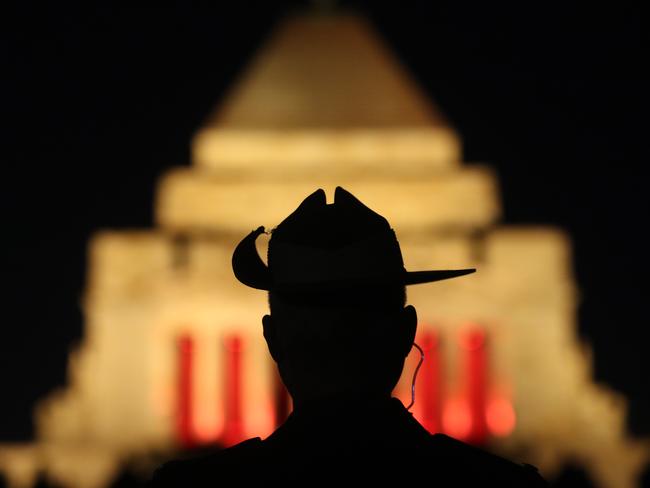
429	387
185	351
234	428
473	343
500	415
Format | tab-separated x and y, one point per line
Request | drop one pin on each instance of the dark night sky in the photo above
99	102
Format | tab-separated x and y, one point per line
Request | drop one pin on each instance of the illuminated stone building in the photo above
173	352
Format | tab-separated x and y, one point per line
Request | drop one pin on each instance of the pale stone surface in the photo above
330	72
364	152
81	464
19	463
307	104
189	201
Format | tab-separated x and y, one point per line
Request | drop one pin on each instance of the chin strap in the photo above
415	375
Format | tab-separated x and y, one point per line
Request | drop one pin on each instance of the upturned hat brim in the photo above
250	269
327	247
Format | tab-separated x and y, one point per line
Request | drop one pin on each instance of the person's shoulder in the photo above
205	470
484	467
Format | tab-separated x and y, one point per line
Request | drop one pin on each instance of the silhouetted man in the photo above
339	332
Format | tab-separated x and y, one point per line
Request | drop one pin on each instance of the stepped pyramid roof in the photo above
324	93
325	103
314	73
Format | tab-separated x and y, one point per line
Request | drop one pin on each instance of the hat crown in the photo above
343	242
329	247
320	225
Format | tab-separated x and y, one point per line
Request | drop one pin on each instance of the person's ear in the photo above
409	328
271	337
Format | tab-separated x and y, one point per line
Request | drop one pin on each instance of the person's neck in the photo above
333	403
358	418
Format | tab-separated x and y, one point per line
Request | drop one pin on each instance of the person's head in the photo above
351	341
336	283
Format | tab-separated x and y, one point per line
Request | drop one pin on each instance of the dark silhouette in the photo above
573	476
644	477
42	481
126	478
339	332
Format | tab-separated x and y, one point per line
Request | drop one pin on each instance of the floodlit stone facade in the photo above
325	104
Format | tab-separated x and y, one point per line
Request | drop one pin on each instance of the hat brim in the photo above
253	272
417	277
370	282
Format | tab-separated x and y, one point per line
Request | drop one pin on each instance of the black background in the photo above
99	102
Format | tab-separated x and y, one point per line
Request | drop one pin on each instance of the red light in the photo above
457	419
472	339
185	348
204	433
476	378
234	428
475	410
500	417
